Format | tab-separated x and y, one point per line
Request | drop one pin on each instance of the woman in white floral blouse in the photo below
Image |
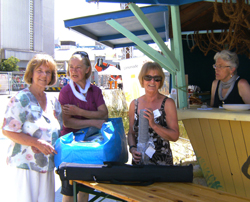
32	122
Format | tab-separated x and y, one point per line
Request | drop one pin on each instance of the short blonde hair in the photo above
151	66
37	61
85	61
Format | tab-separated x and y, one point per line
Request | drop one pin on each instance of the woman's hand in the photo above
70	109
45	147
136	155
99	123
150	116
37	145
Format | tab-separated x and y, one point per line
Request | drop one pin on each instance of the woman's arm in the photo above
101	113
96	118
244	90
213	89
172	132
131	134
24	139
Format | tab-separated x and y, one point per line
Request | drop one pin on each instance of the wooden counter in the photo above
221	141
215	113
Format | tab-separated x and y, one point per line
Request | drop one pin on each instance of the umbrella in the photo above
111	70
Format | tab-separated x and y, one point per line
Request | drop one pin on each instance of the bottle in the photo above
143	135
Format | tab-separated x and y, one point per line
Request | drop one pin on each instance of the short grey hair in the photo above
228	56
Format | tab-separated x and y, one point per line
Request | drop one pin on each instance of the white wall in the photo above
15	28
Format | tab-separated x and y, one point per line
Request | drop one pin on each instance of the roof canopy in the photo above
194	16
95	26
150	24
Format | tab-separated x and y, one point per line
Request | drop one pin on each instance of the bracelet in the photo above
130	147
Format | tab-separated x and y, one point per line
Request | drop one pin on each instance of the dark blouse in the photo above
233	98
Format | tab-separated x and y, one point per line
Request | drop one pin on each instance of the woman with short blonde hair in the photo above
160	111
32	122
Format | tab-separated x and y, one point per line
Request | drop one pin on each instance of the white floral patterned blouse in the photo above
24	114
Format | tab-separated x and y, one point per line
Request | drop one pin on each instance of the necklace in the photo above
227	85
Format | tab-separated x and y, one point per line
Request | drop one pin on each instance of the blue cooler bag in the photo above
93	146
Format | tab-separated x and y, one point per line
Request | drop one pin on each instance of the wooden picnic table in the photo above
161	191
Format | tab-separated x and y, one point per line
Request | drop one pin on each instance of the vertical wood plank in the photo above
232	157
246	133
194	131
241	151
222	155
218	180
188	127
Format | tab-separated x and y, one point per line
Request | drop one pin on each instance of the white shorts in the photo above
32	186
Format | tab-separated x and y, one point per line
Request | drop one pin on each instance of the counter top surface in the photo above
214	113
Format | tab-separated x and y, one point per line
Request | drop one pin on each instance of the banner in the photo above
130	70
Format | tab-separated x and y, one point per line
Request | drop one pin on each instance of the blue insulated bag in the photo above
93	146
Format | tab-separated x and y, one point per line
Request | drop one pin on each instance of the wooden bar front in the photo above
221	141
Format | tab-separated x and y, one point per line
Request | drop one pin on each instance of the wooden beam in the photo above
178	50
154	35
150	52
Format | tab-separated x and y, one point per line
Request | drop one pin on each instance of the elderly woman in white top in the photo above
32	122
228	88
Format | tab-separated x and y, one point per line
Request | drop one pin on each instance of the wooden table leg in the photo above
74	191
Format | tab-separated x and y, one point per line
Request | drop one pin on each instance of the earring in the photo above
231	75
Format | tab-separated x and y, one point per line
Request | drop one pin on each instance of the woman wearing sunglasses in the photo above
82	106
160	111
228	88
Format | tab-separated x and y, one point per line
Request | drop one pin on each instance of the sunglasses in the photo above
82	53
149	78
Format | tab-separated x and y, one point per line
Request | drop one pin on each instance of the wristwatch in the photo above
130	147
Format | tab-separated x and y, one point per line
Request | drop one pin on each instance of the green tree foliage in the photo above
10	64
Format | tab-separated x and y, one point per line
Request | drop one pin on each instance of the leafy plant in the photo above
183	132
117	107
10	64
210	178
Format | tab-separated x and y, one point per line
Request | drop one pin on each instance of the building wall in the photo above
48	22
22	35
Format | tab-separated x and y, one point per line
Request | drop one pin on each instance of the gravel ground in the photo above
183	154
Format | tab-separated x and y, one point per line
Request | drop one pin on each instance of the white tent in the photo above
111	70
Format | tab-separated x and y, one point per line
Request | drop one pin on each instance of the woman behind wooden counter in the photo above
228	88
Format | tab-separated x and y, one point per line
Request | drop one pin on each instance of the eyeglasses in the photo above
82	53
149	78
219	66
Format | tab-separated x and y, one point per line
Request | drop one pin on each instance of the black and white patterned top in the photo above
163	153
